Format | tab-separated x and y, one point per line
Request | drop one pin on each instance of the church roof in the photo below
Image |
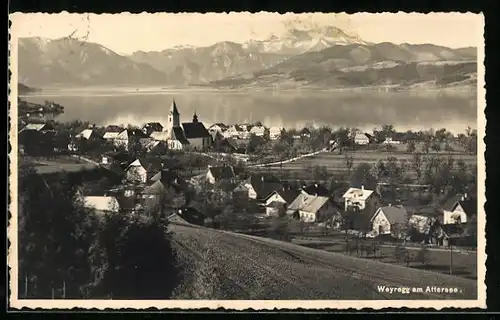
178	134
195	130
174	108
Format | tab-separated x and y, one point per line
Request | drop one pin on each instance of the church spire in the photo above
195	117
174	108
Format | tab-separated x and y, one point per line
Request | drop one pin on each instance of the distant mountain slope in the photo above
357	65
24	89
188	65
70	62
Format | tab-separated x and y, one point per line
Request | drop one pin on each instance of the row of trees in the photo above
69	251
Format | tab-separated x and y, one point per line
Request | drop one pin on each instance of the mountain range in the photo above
321	57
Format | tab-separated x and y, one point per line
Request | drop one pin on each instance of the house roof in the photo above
240	188
258	129
113	128
361	136
219	124
101	203
154	125
357	193
314	203
85	134
195	130
223	172
170	178
110	135
395	214
236	127
34	126
178	134
148	143
160	135
287	195
264	184
276	204
469	206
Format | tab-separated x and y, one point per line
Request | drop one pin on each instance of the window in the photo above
380	229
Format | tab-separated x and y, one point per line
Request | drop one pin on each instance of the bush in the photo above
423	255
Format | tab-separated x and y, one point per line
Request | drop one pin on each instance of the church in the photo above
190	136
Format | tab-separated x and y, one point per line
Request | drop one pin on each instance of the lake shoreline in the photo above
77	91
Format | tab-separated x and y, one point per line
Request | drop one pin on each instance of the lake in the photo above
364	110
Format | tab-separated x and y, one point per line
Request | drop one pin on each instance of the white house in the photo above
128	136
136	172
275	133
215	174
459	211
217	127
110	136
360	198
422	221
386	220
259	131
389	140
88	134
310	208
101	204
361	139
234	131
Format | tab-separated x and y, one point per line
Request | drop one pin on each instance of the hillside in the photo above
69	62
224	265
24	89
359	65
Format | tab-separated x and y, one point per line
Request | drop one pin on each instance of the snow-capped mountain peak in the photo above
299	40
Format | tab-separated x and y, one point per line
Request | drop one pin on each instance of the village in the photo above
244	178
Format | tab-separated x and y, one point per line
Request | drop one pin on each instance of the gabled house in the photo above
101	204
38	127
151	127
360	198
151	145
140	170
234	131
217	127
128	137
286	196
167	186
259	131
459	210
423	219
110	136
215	174
275	132
389	220
312	208
361	139
223	144
260	186
160	135
275	209
89	134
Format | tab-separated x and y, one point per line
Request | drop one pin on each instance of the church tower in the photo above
195	117
173	117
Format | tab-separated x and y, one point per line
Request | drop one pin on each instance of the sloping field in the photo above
335	162
224	265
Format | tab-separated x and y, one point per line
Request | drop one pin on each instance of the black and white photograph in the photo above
247	160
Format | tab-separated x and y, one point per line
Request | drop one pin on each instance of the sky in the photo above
127	33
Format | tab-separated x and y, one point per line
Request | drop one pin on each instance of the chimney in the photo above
362	187
262	178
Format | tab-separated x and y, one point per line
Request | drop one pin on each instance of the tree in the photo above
55	234
126	259
416	165
254	143
426	146
393	170
423	254
349	162
410	147
399	252
362	176
436	146
319	172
